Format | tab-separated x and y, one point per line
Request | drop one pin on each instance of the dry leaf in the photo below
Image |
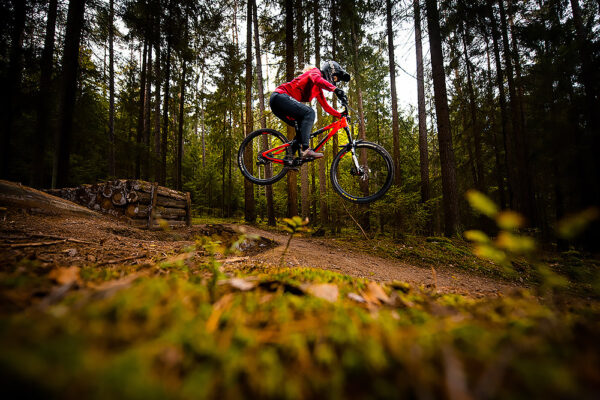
64	275
326	291
375	294
240	284
218	308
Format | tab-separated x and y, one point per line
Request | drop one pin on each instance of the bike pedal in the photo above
292	168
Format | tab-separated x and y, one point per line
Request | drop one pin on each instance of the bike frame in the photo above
333	128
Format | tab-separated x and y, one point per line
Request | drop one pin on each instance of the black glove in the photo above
341	95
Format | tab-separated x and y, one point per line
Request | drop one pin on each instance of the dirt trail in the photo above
83	239
327	254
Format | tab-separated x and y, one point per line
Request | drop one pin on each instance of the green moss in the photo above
174	334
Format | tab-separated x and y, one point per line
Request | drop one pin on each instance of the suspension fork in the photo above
352	145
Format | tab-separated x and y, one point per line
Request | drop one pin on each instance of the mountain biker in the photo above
286	101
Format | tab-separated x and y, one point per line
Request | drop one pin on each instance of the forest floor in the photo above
93	308
77	240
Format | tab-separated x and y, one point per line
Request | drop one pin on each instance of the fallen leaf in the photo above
375	294
218	308
326	291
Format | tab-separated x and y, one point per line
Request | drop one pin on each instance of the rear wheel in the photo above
370	181
257	166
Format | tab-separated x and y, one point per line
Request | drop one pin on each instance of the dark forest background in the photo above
166	90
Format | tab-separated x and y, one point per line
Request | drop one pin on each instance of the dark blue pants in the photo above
289	110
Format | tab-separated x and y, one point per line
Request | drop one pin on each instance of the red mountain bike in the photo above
361	171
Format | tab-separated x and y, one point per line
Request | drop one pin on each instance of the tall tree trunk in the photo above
157	85
423	147
111	91
592	105
141	119
334	13
12	89
515	143
165	130
147	115
490	99
263	119
322	179
60	171
179	182
502	101
289	75
304	184
203	127
449	190
395	119
249	207
479	178
362	132
44	102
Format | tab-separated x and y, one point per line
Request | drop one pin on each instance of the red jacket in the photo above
307	86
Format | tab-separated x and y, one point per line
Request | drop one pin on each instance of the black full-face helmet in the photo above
329	69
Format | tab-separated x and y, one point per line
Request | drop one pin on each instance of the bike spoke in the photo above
369	179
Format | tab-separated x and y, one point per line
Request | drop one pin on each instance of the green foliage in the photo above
293	226
510	247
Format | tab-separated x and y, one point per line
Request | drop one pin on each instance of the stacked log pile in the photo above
144	204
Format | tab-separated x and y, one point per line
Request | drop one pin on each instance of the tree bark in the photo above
179	182
147	114
523	203
423	146
395	119
141	119
44	102
502	101
304	184
157	85
289	75
449	190
263	119
249	206
165	129
324	213
479	176
60	171
362	132
111	91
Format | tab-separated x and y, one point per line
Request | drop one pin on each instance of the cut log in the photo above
134	199
19	196
136	211
167	202
118	199
163	191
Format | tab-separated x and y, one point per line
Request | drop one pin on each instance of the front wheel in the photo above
258	165
370	180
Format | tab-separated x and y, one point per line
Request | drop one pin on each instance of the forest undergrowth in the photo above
208	323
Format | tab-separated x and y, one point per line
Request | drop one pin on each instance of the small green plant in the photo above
293	225
509	245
